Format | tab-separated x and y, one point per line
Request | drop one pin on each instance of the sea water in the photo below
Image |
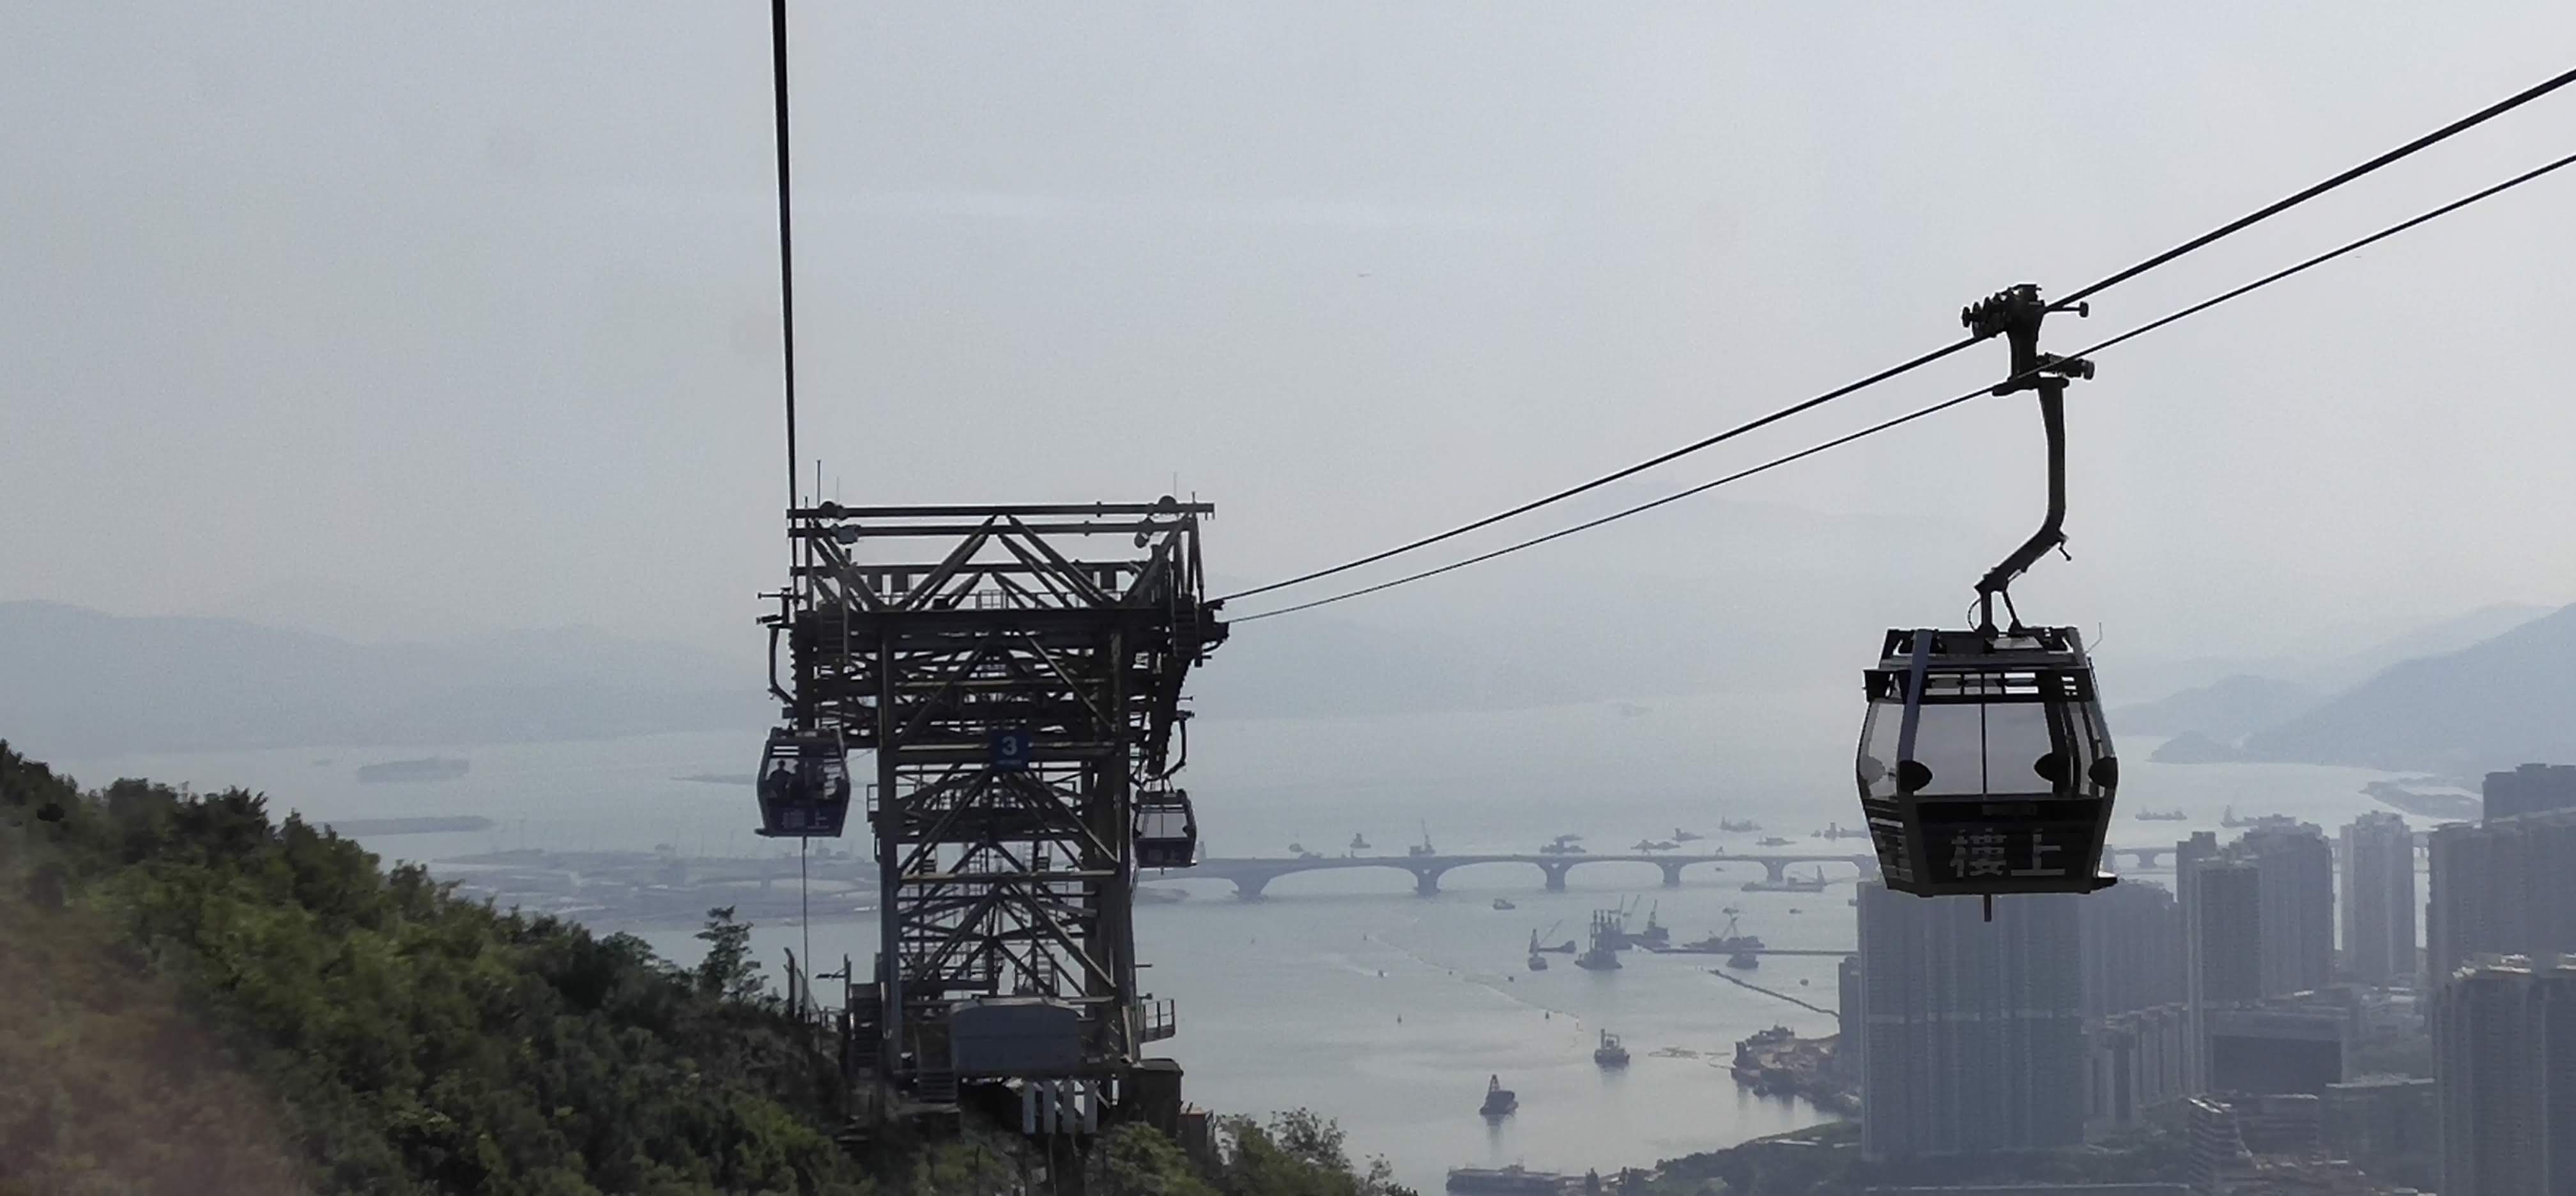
1343	991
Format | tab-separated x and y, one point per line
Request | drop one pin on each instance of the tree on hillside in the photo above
728	971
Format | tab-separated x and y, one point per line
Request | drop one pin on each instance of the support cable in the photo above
1606	479
1944	405
804	916
2462	125
2240	224
786	242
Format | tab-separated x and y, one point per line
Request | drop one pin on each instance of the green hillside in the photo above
203	1000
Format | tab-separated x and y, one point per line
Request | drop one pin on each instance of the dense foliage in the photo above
203	1000
406	1041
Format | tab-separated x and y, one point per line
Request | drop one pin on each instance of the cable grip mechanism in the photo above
2015	313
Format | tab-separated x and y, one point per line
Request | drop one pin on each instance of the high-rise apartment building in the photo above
1849	1040
2530	789
2504	1043
2225	937
2296	905
2200	846
2222	946
2379	899
2135	1064
2131	935
2505	887
1973	1031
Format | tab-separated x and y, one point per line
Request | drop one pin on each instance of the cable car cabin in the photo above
804	785
1985	766
1167	830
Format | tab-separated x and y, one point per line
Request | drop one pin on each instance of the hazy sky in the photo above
473	305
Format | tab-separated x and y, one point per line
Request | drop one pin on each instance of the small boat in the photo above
1773	841
1744	960
1359	843
1499	1101
1738	826
2162	816
1683	836
1611	1053
1537	962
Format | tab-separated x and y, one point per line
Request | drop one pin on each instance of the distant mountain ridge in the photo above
2234	707
79	682
2226	710
2500	702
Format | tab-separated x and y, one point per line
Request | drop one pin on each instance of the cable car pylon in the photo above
1985	766
1021	694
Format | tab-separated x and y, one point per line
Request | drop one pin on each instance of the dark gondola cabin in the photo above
804	785
1167	830
1985	766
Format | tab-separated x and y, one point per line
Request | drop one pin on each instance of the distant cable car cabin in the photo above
1167	829
804	785
1985	766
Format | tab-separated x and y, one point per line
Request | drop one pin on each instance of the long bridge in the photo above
1250	876
1253	874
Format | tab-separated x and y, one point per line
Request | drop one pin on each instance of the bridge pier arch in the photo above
1779	870
1555	875
1672	873
1426	881
1248	888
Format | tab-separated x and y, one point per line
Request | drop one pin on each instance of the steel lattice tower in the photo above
1018	688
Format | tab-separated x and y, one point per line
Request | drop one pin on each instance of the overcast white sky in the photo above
473	305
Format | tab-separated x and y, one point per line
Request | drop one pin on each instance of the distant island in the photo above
2192	747
427	768
411	826
2445	807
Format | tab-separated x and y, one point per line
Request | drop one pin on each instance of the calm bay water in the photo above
1344	992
